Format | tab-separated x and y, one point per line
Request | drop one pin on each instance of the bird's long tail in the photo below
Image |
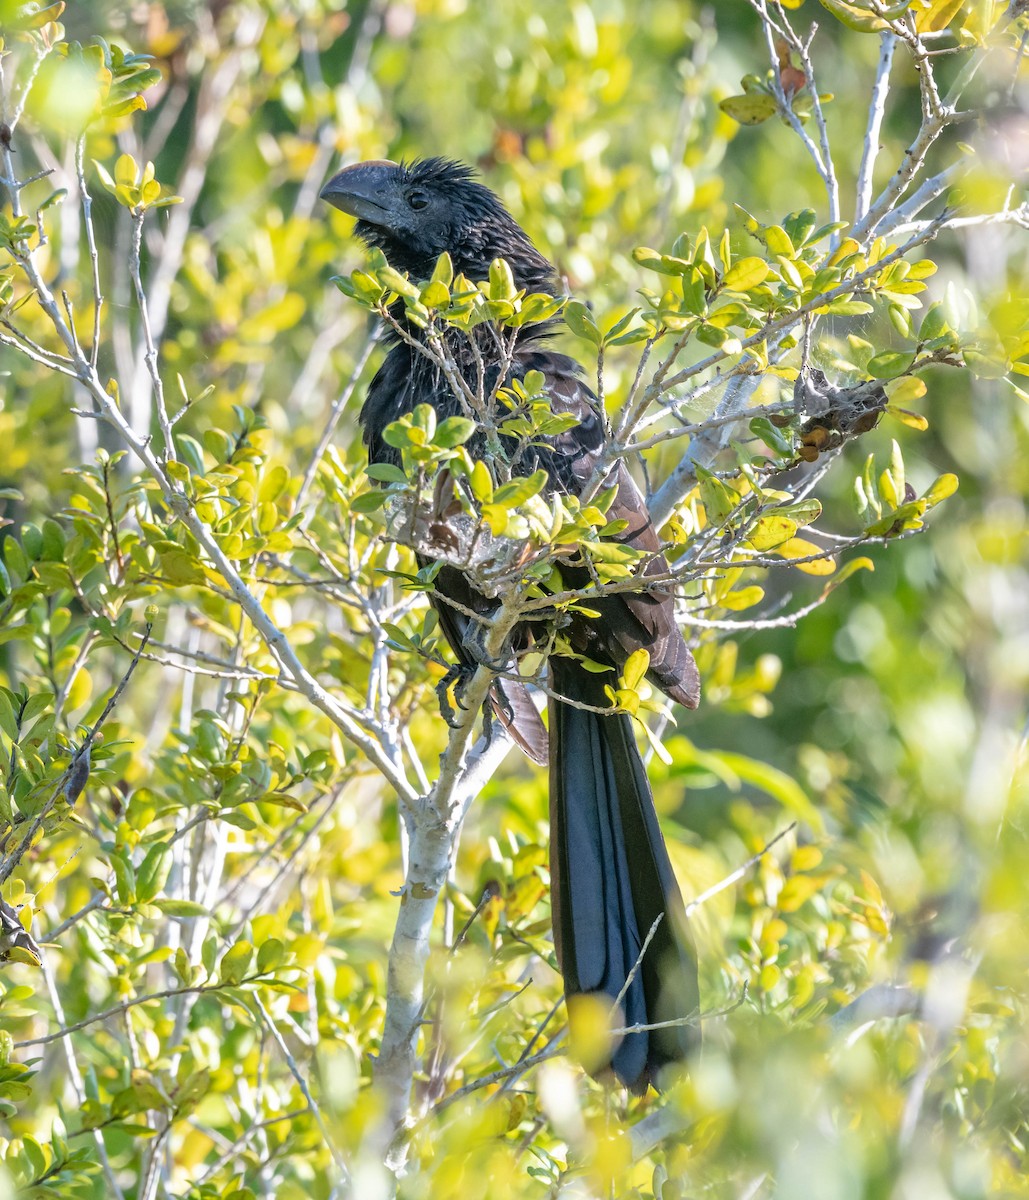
611	878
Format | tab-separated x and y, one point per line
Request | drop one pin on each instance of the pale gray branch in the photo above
876	112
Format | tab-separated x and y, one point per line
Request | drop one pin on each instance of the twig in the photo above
876	112
305	1091
338	406
92	905
149	349
232	1150
216	84
551	1050
118	1010
740	871
71	783
881	1001
821	157
77	1081
94	258
638	963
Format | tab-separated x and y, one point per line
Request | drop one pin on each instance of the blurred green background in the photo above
891	720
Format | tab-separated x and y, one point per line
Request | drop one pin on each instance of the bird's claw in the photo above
474	644
453	684
455	681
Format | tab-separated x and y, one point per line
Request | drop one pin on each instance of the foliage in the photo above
218	728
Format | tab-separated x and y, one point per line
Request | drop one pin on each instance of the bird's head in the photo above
415	211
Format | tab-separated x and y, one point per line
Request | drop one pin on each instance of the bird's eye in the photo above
418	199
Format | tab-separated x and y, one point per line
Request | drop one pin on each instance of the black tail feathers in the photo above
611	879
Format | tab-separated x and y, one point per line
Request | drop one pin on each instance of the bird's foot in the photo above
450	691
474	644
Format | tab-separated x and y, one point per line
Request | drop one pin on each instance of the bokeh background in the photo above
890	722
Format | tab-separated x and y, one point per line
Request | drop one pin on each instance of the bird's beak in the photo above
363	190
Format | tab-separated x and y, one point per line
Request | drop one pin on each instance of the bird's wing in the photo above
632	620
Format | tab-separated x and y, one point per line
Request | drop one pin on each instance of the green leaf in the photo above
510	495
982	365
38	703
907	516
481	482
181	908
234	963
888	364
271	954
799	225
368	502
745	274
454	431
152	873
580	321
693	293
619	328
750	109
180	566
443	271
772	436
124	877
934	323
842	307
779	242
33	18
803	511
718	500
385	473
395	282
8	720
435	295
501	281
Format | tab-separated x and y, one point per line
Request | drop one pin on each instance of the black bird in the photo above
610	873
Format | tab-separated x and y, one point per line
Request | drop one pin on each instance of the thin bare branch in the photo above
876	112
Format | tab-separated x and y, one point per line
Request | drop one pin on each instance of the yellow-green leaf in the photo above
911	419
749	109
125	170
635	669
443	272
501	281
435	294
743	598
799	548
719	500
940	489
235	962
860	18
845	572
906	390
771	530
937	16
745	274
481	481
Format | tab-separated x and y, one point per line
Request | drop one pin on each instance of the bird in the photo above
612	882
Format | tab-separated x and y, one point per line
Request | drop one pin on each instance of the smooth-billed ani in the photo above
610	872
